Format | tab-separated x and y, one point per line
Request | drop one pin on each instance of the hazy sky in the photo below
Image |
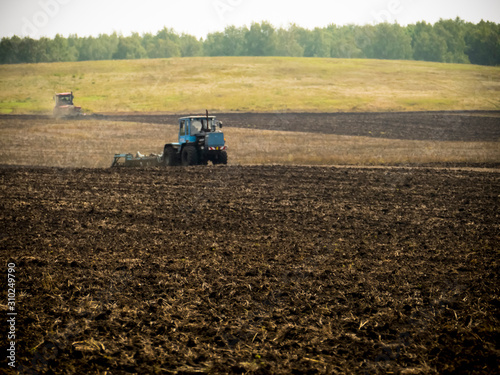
37	18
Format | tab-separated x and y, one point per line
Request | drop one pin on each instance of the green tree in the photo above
320	43
9	50
365	38
166	44
105	46
343	41
86	49
260	40
42	50
233	41
130	48
426	43
213	45
445	41
287	44
59	50
390	41
453	33
304	38
149	44
27	50
167	48
190	46
74	43
483	43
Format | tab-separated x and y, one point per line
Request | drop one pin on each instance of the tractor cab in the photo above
192	128
65	98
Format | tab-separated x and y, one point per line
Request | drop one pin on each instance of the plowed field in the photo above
471	126
241	269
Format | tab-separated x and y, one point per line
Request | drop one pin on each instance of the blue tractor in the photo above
200	141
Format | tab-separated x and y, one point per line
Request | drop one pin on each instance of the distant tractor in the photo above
200	141
64	106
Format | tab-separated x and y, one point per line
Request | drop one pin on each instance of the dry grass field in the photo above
256	84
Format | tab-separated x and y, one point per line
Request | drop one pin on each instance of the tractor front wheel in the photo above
189	156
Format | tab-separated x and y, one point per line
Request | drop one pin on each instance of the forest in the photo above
448	41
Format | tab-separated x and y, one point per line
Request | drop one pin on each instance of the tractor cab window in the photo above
182	128
65	99
208	124
195	126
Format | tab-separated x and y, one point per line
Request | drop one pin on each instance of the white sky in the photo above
36	18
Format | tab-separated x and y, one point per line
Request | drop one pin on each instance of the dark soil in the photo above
469	126
437	126
286	270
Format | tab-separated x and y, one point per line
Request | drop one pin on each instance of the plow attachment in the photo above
128	160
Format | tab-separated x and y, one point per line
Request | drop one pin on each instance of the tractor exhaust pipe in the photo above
208	127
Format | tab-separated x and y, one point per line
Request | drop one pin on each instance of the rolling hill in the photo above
251	84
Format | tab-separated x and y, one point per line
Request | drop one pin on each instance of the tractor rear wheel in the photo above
169	157
189	156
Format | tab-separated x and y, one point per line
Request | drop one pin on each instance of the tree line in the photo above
450	41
